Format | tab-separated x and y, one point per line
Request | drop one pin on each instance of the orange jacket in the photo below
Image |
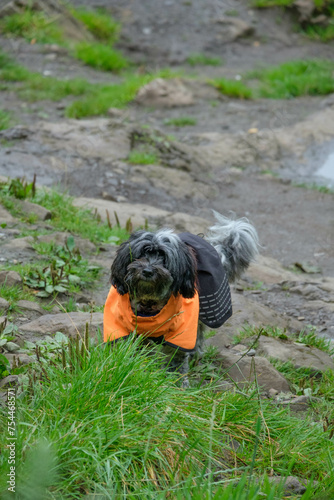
176	322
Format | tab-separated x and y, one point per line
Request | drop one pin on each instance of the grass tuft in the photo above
295	78
5	120
203	60
32	26
182	121
99	23
232	88
142	158
100	56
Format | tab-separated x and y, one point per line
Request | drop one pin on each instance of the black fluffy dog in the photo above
167	286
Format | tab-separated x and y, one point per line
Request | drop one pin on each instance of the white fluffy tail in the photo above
236	242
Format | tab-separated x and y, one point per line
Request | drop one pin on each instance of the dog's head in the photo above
153	266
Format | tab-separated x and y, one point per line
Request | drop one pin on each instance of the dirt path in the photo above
294	224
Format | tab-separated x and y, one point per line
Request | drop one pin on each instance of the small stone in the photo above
272	393
12	347
32	208
10	380
301	318
10	278
4	305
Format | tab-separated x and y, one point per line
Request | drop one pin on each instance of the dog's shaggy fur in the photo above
153	266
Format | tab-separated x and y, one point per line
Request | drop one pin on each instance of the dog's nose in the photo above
147	272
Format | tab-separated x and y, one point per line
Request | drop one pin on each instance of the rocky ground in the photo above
240	156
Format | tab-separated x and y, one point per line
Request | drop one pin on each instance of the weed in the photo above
182	121
100	56
232	88
203	60
142	158
99	23
5	120
66	271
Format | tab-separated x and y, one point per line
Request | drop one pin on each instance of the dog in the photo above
168	287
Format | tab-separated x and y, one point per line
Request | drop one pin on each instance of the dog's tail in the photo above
236	242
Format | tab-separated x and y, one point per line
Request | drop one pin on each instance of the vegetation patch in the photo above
14	294
5	120
136	434
295	78
182	121
98	22
100	56
66	216
232	88
138	157
66	270
203	60
33	26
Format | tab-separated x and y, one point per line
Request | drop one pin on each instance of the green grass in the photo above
315	187
142	157
295	78
322	33
5	120
67	217
100	56
14	294
102	26
232	88
203	60
182	121
114	423
32	26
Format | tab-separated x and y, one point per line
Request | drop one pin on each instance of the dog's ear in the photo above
187	272
119	268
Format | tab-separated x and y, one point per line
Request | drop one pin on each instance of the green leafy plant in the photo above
19	188
66	271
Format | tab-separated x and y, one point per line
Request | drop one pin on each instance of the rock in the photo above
242	371
165	93
32	208
4	305
28	305
269	271
247	312
84	245
67	323
305	9
301	356
10	381
12	347
140	214
185	222
292	485
19	245
299	404
237	28
20	358
16	133
5	216
10	278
